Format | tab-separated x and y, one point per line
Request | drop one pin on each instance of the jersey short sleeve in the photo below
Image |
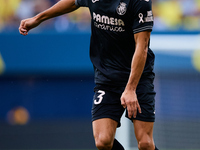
81	3
143	16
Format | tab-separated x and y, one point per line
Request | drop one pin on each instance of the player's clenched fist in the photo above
28	24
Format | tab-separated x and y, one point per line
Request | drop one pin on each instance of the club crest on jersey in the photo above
121	9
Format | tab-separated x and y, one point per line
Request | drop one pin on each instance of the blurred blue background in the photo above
46	78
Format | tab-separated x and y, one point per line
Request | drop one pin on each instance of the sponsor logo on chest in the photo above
114	24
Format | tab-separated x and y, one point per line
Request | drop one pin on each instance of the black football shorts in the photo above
107	104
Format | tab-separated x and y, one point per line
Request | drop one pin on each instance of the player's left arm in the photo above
60	8
129	98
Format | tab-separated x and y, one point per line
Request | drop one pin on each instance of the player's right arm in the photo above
60	8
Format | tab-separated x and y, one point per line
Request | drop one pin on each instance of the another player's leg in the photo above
104	133
144	134
117	145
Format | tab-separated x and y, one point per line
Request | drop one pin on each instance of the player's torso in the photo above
112	42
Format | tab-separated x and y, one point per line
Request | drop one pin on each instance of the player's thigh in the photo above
143	130
104	129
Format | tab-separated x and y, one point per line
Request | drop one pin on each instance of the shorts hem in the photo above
110	117
142	119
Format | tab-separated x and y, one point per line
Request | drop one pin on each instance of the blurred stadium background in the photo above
46	78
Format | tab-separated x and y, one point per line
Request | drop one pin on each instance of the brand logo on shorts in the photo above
94	1
121	9
146	0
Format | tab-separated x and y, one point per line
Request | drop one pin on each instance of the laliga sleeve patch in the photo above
143	16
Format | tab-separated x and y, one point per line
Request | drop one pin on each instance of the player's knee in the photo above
103	144
145	145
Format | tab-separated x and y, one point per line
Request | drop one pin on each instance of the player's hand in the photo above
27	24
129	100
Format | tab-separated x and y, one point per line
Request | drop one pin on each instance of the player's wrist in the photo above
40	18
130	87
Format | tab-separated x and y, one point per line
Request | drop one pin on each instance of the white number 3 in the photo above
102	93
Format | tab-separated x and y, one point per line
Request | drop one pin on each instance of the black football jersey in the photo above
112	44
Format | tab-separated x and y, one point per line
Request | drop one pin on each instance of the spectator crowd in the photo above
169	15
